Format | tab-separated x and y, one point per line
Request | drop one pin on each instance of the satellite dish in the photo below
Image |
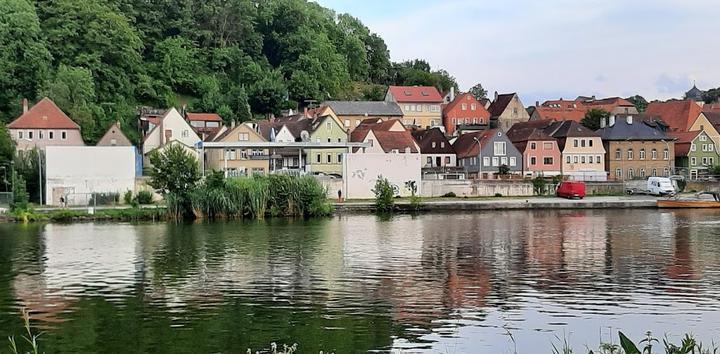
305	136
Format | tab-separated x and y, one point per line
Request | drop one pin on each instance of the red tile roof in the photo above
574	114
498	106
43	115
711	107
679	115
415	94
466	144
683	140
400	141
204	117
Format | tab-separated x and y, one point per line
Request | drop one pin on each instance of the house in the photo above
114	137
541	153
240	161
436	150
482	154
282	158
171	127
559	110
44	125
695	153
582	151
420	105
679	115
636	147
506	110
709	122
384	137
205	125
351	113
148	119
464	110
612	105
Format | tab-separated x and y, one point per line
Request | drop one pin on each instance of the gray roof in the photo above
360	108
640	129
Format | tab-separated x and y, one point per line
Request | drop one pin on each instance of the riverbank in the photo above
113	213
458	204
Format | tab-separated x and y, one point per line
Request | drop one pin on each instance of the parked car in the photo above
660	186
571	189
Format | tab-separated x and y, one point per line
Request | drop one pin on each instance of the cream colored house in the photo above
171	127
583	153
241	161
420	105
708	122
114	137
506	110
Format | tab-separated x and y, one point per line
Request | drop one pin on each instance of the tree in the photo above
7	146
593	117
478	91
73	90
269	94
712	95
176	64
24	58
639	101
20	195
174	170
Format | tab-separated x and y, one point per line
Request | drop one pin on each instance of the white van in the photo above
660	186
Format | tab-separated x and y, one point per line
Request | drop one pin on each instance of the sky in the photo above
550	49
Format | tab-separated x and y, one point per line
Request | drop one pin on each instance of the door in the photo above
438	161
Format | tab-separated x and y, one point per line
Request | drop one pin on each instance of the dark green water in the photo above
451	283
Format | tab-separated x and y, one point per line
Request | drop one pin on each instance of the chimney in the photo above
496	96
25	105
629	119
537	103
603	122
452	94
611	121
232	124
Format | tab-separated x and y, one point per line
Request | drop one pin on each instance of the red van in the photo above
571	189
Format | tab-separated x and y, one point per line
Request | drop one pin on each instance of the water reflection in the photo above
440	282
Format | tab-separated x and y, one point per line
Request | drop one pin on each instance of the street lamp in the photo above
479	156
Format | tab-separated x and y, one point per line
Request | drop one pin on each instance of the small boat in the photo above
691	203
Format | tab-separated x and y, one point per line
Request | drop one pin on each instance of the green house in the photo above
329	161
695	153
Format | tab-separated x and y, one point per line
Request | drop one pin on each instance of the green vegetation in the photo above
415	200
99	59
69	215
29	337
175	173
593	117
639	101
384	195
539	185
478	91
253	197
449	195
712	95
688	345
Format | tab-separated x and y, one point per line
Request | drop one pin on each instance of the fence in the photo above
5	199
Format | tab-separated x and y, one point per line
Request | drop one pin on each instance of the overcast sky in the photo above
545	49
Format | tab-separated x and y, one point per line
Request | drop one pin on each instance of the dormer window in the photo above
408	93
433	144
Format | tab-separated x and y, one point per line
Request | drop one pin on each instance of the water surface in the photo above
451	283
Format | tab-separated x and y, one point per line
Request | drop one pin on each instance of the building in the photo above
506	110
384	137
695	94
240	161
351	113
420	105
678	115
481	154
637	147
464	110
114	137
575	110
206	125
44	125
437	152
612	105
695	153
324	129
582	151
541	153
708	122
171	127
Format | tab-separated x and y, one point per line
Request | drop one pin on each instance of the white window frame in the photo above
500	148
513	161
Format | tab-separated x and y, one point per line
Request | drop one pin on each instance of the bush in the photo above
539	185
144	197
498	195
128	197
384	193
21	198
449	195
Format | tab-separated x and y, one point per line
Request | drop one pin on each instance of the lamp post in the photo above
479	157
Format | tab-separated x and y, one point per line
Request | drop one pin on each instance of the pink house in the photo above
541	153
44	125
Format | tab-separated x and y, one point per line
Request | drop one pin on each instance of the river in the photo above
488	282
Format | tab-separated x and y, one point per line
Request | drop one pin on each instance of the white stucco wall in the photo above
360	171
77	171
181	131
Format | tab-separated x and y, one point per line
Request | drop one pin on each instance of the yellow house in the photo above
709	122
420	105
240	161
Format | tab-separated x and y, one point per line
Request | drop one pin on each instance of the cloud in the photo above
671	84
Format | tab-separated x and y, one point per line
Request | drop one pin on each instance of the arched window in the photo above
630	154
653	154
630	175
618	154
642	173
642	155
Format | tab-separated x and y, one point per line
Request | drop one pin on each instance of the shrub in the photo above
384	193
20	195
449	195
128	197
415	199
144	197
498	194
539	185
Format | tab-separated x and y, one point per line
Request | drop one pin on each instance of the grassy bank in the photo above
71	215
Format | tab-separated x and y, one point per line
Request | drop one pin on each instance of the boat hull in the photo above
670	203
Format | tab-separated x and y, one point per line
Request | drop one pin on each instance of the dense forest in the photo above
100	59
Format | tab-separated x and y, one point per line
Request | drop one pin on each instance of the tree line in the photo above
100	59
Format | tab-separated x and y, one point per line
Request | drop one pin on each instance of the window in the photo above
653	154
575	143
370	141
547	146
548	161
409	107
513	161
704	161
454	121
473	106
51	135
486	161
329	158
618	154
515	111
418	108
575	159
329	140
642	154
704	147
711	147
429	161
598	159
504	160
499	148
495	161
243	136
630	174
317	158
442	144
590	159
630	154
232	154
463	107
20	135
532	146
618	173
711	161
666	154
692	147
339	158
533	160
654	172
328	126
567	159
693	161
433	144
30	135
590	143
113	142
703	138
185	133
582	159
347	123
41	135
582	143
642	173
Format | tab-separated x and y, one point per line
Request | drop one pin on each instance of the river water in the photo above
490	282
